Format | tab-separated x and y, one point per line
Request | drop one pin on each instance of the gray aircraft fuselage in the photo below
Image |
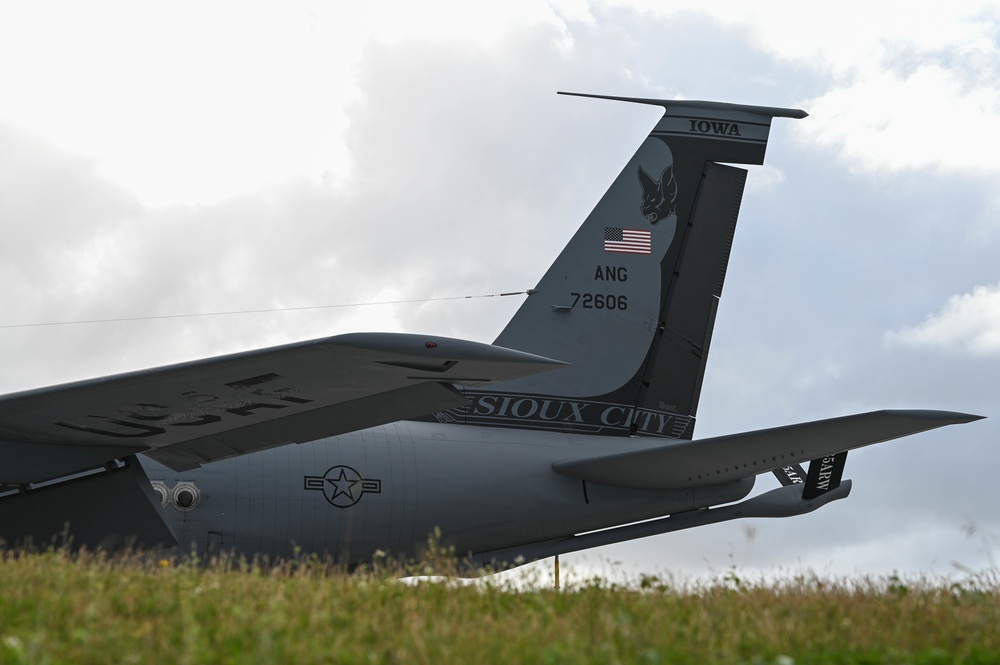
388	488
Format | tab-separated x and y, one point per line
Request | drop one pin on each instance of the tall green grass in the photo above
61	608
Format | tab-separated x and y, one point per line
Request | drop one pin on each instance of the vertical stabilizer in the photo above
630	302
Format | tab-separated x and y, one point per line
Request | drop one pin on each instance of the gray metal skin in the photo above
483	488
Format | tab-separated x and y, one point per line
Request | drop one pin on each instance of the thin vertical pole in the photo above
557	572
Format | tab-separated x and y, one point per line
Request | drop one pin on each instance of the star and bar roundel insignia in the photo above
343	486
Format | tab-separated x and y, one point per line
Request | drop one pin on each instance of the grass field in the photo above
56	608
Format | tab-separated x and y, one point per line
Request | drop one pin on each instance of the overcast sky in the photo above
172	158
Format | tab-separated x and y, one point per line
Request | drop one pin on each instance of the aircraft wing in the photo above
727	458
188	414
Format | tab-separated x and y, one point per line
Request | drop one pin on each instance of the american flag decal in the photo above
627	241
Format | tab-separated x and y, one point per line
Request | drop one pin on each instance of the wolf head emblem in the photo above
659	198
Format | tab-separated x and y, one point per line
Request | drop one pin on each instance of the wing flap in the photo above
726	458
229	405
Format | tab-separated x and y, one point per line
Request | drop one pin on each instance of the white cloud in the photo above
196	103
846	36
193	102
182	102
969	322
766	178
932	117
905	88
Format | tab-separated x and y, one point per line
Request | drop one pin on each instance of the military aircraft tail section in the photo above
614	340
630	302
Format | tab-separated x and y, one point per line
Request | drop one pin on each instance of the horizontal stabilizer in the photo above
767	111
727	458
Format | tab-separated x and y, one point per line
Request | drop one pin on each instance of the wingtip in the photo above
946	417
